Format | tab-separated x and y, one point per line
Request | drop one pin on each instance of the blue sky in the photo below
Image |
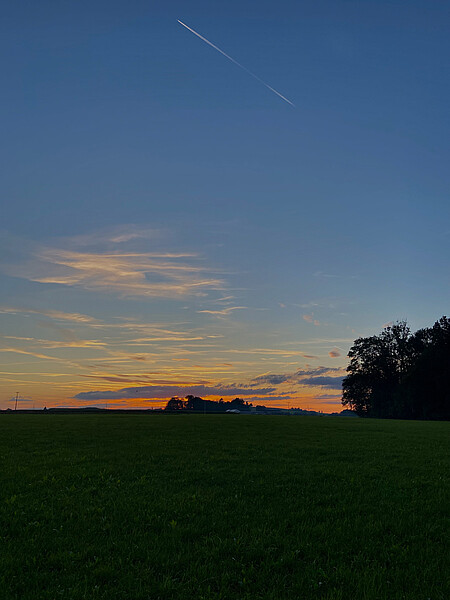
149	181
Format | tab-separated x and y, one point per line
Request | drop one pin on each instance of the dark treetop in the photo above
400	375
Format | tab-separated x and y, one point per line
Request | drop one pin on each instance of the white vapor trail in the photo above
236	63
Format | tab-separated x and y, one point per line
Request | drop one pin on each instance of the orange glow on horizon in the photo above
305	402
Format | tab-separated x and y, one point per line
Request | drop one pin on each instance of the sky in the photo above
170	225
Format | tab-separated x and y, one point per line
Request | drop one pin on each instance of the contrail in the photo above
236	63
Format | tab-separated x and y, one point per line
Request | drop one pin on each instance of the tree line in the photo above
196	404
400	375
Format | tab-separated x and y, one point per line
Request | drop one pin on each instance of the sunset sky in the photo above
172	226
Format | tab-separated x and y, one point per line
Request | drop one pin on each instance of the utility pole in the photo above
17	397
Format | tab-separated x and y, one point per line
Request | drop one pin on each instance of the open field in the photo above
206	507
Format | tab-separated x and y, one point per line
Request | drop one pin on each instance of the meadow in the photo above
206	507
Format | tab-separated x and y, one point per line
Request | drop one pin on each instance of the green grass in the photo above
215	507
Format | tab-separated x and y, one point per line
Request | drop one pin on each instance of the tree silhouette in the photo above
377	365
400	375
175	403
426	391
196	404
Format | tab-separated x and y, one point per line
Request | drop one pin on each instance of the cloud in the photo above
268	398
27	353
224	312
51	344
20	399
330	382
66	334
173	338
167	391
322	341
307	305
129	274
113	261
116	235
271	352
271	379
53	314
335	353
152	332
310	319
326	275
302	377
323	275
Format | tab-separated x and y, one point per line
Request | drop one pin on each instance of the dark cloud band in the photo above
166	391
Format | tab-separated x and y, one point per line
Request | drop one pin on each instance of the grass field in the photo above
207	507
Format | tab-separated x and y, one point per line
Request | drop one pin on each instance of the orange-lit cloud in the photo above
29	353
50	344
53	314
223	312
190	347
311	319
335	353
129	274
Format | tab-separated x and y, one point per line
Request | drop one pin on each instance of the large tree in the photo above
377	366
426	388
400	375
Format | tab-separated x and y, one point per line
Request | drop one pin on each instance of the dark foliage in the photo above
400	375
196	404
175	403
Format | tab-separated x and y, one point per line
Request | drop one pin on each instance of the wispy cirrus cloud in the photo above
109	237
52	344
225	312
129	274
58	315
321	274
117	261
271	352
149	340
31	353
